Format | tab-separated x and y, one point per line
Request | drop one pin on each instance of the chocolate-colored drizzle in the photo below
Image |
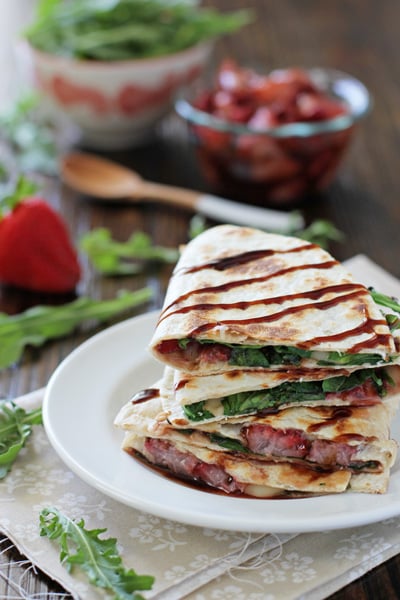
366	327
243	305
181	384
338	413
224	287
221	264
145	395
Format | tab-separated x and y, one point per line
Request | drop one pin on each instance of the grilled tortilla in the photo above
242	298
306	449
190	400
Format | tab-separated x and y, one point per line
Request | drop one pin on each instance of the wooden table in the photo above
360	37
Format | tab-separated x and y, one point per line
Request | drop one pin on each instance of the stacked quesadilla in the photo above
281	372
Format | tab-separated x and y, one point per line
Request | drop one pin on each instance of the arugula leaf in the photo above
41	323
346	382
228	443
197	411
125	29
15	428
247	402
292	391
31	137
116	258
383	300
341	358
98	557
320	232
264	356
393	321
248	357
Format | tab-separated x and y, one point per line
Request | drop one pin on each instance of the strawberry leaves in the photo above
98	557
22	189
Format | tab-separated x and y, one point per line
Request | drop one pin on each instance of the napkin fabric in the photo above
187	561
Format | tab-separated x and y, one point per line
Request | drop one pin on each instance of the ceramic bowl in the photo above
114	104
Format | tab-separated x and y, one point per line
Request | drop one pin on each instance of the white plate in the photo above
82	399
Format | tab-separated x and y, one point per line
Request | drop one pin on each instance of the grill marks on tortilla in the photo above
225	287
221	264
366	327
344	291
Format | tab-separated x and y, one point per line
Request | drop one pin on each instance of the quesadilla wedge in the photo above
190	400
306	450
243	298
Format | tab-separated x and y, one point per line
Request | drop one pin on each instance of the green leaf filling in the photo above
289	392
243	355
228	443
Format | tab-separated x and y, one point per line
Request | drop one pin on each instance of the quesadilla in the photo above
282	373
310	450
189	400
242	298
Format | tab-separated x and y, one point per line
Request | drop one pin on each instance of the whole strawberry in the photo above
36	252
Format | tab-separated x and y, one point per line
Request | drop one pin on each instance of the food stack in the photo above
281	372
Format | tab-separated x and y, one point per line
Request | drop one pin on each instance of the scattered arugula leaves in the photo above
30	136
15	428
41	323
320	232
124	258
97	557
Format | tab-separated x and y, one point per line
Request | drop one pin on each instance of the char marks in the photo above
227	262
224	287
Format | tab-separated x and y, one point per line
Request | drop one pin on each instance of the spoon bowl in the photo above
99	177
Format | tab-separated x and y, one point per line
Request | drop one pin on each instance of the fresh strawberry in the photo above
36	252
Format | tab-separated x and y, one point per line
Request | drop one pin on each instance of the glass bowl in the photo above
281	146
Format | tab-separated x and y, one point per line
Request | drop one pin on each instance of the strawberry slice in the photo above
36	252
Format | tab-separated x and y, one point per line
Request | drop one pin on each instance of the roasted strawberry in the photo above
36	252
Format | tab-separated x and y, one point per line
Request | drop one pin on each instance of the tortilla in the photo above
242	298
345	449
189	400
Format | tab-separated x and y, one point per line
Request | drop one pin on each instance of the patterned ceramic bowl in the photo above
114	104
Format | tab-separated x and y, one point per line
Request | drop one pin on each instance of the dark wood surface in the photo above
357	36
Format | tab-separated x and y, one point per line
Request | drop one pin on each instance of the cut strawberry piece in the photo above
35	249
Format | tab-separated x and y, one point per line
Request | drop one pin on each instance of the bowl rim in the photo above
205	45
195	116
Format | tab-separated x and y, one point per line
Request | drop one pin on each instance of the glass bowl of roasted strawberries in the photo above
275	138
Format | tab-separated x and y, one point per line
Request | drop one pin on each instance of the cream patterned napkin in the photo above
200	563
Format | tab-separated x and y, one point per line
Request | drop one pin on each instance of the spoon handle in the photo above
224	210
245	214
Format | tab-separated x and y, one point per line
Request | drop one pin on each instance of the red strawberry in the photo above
35	249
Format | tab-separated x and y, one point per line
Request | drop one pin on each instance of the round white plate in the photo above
82	399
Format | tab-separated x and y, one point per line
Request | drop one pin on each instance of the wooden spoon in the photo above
102	178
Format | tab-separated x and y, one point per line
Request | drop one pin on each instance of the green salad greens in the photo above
250	402
267	356
125	29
